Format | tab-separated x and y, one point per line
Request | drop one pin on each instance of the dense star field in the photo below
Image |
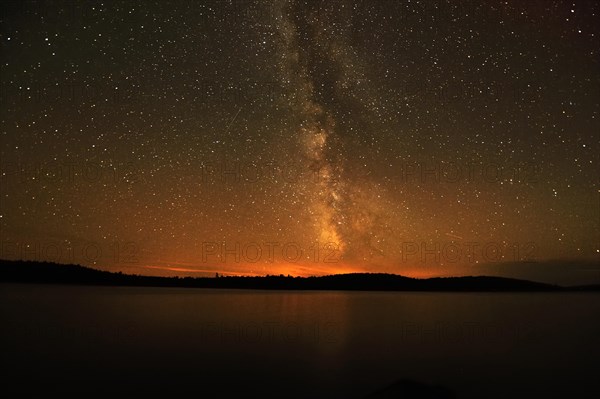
301	137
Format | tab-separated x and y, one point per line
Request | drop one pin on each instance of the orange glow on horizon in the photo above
184	269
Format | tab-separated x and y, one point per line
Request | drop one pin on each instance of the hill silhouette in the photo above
47	272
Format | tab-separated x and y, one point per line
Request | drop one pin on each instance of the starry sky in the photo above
301	137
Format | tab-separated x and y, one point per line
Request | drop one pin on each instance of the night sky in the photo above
301	137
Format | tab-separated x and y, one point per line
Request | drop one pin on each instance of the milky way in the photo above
318	65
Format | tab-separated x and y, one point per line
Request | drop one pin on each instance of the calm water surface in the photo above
129	340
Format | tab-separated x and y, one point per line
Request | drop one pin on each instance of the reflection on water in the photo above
297	344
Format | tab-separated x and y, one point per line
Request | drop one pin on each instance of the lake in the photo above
89	340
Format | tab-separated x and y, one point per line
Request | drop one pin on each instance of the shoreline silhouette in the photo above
54	273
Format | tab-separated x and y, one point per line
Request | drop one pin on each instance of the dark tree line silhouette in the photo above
47	272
